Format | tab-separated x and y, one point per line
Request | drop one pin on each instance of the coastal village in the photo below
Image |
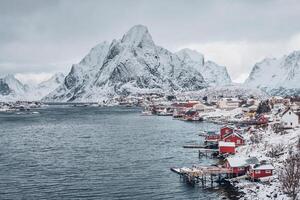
256	149
257	138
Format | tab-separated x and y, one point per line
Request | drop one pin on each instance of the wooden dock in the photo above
207	152
203	174
194	146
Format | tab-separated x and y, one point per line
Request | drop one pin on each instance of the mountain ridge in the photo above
282	80
132	64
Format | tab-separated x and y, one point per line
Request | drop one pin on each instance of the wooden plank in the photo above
193	146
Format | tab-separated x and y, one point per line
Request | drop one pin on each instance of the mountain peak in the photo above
190	54
284	77
8	76
137	36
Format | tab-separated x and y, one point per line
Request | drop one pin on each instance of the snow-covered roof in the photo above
253	107
288	109
262	167
234	133
241	161
226	144
227	126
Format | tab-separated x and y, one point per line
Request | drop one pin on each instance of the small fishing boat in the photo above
146	113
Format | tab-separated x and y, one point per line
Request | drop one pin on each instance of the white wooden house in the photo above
289	119
228	103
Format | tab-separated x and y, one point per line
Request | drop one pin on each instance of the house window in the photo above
268	171
257	172
241	168
291	123
286	123
290	113
238	141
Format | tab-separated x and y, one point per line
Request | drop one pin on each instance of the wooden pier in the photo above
194	146
206	152
203	174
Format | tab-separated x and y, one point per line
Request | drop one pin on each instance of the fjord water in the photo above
70	152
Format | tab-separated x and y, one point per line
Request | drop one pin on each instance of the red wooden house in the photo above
226	147
212	138
225	130
192	115
239	165
262	120
260	170
234	137
184	104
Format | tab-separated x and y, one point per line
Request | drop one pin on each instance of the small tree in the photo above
290	176
298	144
263	107
275	150
255	138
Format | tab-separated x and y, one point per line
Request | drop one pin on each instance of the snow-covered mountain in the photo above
232	90
45	87
277	76
11	88
214	75
133	64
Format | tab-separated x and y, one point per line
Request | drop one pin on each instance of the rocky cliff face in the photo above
133	64
11	88
213	74
277	76
45	87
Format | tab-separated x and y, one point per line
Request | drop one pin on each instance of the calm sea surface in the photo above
70	152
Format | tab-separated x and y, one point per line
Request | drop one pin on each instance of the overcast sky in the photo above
39	37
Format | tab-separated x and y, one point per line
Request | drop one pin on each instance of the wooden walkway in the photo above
205	170
194	146
202	174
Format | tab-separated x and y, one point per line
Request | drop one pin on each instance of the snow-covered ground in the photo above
283	79
266	140
268	188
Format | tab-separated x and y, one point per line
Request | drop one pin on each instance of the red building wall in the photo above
262	120
212	137
263	173
234	138
225	130
236	170
227	150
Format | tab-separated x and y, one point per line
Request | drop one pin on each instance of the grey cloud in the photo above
41	32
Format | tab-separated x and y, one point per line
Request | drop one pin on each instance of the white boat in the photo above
146	113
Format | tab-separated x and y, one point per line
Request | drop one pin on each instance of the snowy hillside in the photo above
277	76
212	73
233	90
130	65
11	89
45	87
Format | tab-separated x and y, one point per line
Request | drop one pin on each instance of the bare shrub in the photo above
255	138
275	151
290	176
298	144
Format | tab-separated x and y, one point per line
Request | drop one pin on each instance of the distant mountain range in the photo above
11	89
135	64
277	76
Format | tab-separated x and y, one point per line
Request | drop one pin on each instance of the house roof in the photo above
262	167
227	126
226	144
287	111
242	161
234	133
